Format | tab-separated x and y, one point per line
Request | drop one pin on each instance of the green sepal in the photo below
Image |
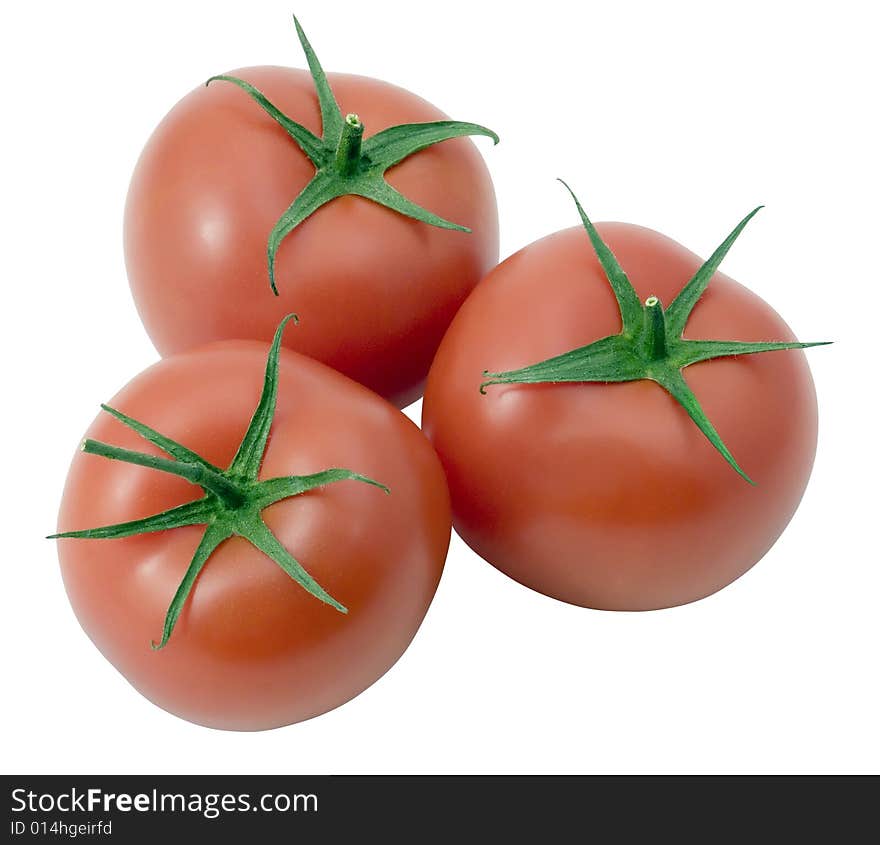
673	382
393	145
192	513
212	481
609	359
276	489
247	460
345	163
625	294
234	498
375	188
680	310
331	116
166	444
307	141
214	535
693	351
650	344
260	536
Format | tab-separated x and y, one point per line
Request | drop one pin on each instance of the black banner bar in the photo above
134	809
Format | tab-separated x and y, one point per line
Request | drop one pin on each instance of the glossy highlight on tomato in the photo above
251	648
608	495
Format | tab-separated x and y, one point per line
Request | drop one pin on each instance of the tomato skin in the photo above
607	495
252	649
375	291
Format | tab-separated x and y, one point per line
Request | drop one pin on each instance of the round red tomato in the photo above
251	648
375	290
608	495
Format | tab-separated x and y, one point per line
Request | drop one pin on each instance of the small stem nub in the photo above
348	151
655	329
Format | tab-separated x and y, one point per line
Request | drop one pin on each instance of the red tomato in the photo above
608	495
252	649
375	290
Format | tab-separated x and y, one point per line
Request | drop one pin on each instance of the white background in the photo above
680	116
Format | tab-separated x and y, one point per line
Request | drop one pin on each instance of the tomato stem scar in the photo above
650	344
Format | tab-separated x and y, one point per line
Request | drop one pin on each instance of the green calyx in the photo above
650	344
346	163
234	497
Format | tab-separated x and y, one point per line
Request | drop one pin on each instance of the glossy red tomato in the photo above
252	649
375	290
608	495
